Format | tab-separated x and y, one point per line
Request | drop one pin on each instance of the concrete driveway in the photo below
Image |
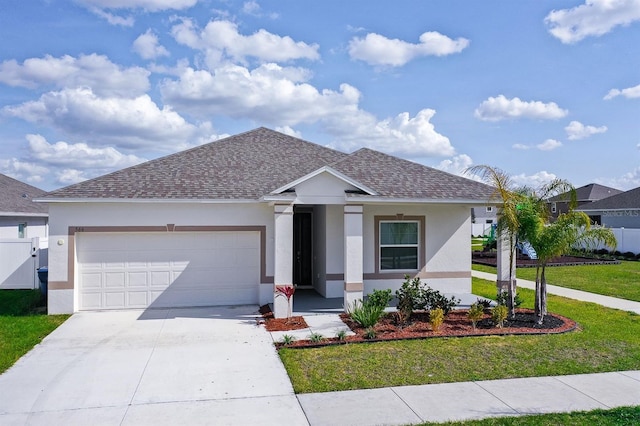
167	366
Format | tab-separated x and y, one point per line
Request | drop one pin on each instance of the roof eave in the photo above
396	200
149	200
24	214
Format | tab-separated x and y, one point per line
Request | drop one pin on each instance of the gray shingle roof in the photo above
16	197
393	177
589	193
624	200
253	164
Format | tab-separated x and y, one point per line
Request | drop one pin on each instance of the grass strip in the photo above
610	280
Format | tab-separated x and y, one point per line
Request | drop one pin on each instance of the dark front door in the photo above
303	249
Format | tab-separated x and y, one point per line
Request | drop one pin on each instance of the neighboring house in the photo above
230	221
618	211
20	217
585	195
484	215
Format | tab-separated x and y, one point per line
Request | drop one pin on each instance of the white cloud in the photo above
79	155
629	93
70	176
94	71
593	18
281	97
289	131
625	182
269	93
549	145
221	40
376	49
129	123
521	146
23	170
535	180
457	165
500	108
112	19
576	130
400	135
148	47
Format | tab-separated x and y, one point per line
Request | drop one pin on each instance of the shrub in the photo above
410	297
341	335
499	315
288	339
365	314
316	337
502	298
370	333
436	318
413	295
380	298
436	300
629	255
475	314
485	303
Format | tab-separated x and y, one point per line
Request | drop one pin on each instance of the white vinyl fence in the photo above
20	259
628	239
480	229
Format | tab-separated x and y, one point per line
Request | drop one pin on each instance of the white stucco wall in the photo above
36	226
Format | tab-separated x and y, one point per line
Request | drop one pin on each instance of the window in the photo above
22	230
399	245
489	209
553	207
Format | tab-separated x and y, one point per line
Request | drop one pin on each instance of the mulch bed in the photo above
490	259
280	324
456	324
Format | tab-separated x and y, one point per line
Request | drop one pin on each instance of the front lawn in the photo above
23	324
620	280
609	340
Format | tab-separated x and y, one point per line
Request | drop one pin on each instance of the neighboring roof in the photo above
589	193
16	197
622	201
251	165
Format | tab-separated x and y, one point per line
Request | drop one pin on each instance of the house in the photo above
585	195
618	211
20	217
231	221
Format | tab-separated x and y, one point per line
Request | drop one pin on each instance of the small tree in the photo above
557	238
286	291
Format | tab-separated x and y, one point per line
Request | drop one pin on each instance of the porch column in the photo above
353	281
283	253
504	249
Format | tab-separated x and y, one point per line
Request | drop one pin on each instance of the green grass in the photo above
609	340
22	324
621	280
624	416
477	243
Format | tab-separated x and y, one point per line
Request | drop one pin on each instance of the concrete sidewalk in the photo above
472	400
609	302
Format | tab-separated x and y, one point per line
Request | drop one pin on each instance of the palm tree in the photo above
508	223
553	239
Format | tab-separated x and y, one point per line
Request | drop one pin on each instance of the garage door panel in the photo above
137	270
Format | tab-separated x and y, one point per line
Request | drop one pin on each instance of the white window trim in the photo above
416	245
489	209
554	207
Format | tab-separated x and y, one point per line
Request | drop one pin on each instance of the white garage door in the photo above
170	269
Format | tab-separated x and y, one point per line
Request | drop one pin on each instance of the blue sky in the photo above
539	89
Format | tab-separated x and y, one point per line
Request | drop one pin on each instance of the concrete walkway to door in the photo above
165	366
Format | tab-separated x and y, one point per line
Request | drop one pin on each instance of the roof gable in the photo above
588	193
325	170
393	177
17	197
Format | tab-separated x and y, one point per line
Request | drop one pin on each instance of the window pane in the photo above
398	258
392	233
22	227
